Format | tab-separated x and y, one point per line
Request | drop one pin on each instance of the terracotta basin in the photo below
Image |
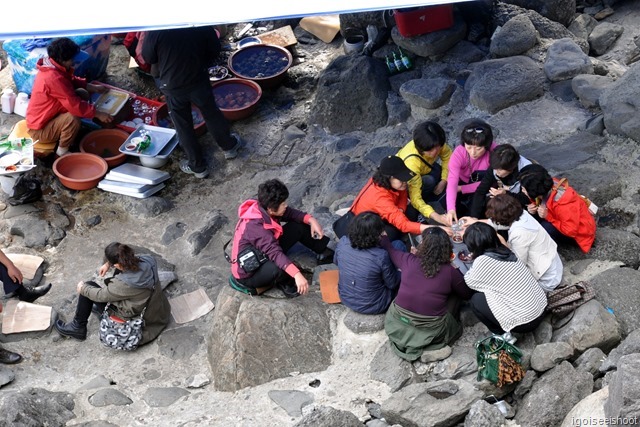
161	118
105	143
80	171
265	64
236	98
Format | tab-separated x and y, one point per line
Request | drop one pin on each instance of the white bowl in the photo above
153	162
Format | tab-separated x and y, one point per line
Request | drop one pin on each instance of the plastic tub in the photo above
265	64
161	118
236	98
106	144
80	171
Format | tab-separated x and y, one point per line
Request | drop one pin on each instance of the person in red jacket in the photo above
560	210
59	99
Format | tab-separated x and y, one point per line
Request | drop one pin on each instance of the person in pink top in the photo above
468	164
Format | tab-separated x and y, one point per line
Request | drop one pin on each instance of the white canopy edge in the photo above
54	19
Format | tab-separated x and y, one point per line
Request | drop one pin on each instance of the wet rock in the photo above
591	326
200	238
588	88
483	414
173	232
427	93
326	416
150	207
517	36
109	396
161	397
390	369
566	60
604	36
36	407
363	323
630	345
624	390
36	232
546	356
431	44
291	401
179	343
618	103
590	361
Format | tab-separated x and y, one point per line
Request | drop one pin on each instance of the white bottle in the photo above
8	100
22	101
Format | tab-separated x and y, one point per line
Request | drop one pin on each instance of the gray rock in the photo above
150	207
173	232
617	288
499	83
36	407
525	385
559	11
37	232
516	37
614	245
346	143
624	390
435	355
398	109
432	44
464	53
16	211
440	403
590	361
603	36
256	340
291	401
566	60
198	381
363	323
591	326
6	376
98	382
460	363
54	213
200	238
161	397
397	80
571	152
326	416
427	93
93	220
292	133
580	266
595	125
179	343
630	345
546	356
552	396
390	369
152	374
582	25
543	333
562	91
619	104
588	88
351	95
483	414
109	396
347	179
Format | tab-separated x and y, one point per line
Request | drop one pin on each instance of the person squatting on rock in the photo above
424	315
134	286
260	226
60	99
183	57
367	281
421	155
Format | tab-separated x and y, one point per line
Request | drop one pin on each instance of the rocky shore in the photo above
558	80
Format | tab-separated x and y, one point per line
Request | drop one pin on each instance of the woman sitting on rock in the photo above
135	286
508	297
423	315
368	280
559	208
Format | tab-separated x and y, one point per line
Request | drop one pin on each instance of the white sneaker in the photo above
184	167
233	153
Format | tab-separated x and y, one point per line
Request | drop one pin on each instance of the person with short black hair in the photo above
368	280
59	99
260	227
421	155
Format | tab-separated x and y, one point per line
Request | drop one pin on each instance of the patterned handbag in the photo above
566	299
498	361
121	334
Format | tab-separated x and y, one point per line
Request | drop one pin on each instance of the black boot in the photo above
72	329
29	294
288	288
326	257
9	357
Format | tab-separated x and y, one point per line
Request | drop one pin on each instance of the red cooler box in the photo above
416	21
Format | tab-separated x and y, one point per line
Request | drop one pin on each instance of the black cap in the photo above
395	167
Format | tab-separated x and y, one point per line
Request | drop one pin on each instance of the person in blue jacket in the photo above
368	280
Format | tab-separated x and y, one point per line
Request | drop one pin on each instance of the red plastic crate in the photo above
416	21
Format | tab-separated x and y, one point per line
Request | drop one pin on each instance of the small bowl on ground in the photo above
106	144
161	118
80	171
265	64
236	98
153	162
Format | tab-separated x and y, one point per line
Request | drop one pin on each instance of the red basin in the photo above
80	171
236	98
105	143
265	64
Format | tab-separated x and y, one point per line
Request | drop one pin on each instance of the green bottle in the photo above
391	66
398	62
406	61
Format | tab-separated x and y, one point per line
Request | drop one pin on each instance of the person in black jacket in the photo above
183	57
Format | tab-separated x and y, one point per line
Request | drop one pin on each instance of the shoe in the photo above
29	294
233	153
289	289
240	287
184	167
9	357
325	257
72	329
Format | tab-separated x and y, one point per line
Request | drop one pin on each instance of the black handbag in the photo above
249	259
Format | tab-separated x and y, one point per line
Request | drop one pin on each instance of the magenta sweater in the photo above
461	166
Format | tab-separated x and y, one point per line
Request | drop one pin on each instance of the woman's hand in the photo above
442	219
448	230
14	273
497	191
301	283
79	286
451	216
542	211
316	228
96	88
104	268
532	208
442	185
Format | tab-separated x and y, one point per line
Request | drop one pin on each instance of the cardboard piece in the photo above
323	27
188	307
329	286
282	37
27	264
20	316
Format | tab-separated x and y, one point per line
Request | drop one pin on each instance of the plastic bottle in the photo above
8	100
22	101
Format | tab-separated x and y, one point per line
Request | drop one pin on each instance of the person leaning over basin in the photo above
60	99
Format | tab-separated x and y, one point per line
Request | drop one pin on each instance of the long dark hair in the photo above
365	229
118	253
382	180
480	238
434	251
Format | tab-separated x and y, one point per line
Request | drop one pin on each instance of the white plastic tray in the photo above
159	138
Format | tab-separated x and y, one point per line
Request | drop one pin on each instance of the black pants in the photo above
482	311
292	232
7	282
83	309
429	183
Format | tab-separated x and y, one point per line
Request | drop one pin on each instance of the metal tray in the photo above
168	149
159	138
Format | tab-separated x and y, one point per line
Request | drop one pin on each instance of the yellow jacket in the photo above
421	168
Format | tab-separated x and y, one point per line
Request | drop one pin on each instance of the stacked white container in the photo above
8	100
22	102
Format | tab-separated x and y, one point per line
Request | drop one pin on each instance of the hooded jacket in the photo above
259	229
570	215
54	94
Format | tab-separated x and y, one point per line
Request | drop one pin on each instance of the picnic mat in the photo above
27	264
20	316
329	286
188	307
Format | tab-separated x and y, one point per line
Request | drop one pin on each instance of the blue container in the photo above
23	55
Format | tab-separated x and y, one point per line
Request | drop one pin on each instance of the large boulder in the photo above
565	60
351	95
500	83
516	37
619	103
432	44
588	88
256	340
624	390
617	288
603	36
591	407
427	93
561	11
36	407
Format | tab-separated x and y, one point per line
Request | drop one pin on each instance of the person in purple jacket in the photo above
423	316
260	226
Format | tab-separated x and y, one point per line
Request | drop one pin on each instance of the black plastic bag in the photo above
26	190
